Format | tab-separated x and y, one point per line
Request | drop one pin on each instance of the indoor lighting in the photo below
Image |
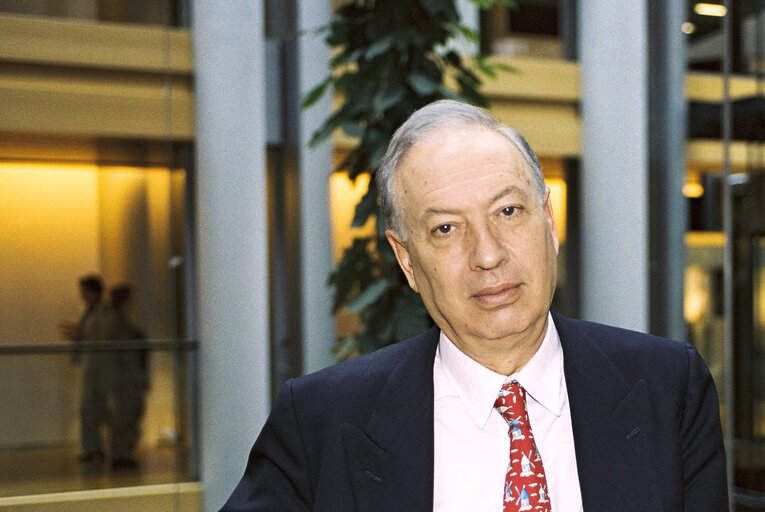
693	189
710	10
688	27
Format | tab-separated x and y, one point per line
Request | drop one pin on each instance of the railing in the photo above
99	346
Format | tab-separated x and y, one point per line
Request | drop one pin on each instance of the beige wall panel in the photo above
94	44
551	129
708	154
29	147
38	110
182	497
546	79
709	87
49	239
93	81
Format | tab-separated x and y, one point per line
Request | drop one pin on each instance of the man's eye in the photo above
509	211
443	229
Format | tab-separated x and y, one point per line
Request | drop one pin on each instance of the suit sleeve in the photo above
276	478
703	451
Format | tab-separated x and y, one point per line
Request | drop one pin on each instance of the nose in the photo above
487	250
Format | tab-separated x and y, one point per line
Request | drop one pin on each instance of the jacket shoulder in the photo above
617	339
343	386
637	355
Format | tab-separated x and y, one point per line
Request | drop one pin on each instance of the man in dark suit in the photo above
614	420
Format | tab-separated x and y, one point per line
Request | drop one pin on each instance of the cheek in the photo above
533	251
437	271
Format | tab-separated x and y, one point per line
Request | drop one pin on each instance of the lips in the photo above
497	295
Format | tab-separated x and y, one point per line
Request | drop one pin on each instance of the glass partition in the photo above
65	371
95	162
44	388
732	338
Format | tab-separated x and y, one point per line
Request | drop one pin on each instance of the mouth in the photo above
497	295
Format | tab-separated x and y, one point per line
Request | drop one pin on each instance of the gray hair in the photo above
425	121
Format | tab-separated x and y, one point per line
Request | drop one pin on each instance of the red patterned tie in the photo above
525	482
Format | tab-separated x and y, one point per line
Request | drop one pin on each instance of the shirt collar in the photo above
477	386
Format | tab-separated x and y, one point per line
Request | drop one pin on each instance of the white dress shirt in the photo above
471	445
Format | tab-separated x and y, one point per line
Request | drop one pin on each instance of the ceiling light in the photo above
688	27
710	10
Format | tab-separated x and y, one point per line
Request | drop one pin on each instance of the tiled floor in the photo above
46	470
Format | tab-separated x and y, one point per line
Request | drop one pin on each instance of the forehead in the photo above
459	160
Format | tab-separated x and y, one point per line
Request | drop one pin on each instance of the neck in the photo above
507	355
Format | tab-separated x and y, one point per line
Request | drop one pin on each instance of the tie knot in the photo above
511	403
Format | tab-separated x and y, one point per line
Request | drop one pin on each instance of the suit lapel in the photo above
391	458
612	427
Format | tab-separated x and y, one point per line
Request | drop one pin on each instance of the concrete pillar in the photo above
230	182
613	58
318	330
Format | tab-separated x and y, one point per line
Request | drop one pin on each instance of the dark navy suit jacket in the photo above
358	436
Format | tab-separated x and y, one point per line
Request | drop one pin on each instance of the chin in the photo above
505	323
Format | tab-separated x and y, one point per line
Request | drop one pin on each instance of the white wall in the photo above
49	218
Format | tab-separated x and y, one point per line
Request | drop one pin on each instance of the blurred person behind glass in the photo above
90	327
128	379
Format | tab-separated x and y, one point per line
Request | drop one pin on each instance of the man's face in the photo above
481	245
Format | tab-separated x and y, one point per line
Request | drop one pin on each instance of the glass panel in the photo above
750	384
704	312
704	308
759	327
63	221
96	187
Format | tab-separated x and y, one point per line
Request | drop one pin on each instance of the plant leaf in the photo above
352	129
423	85
314	94
386	98
369	295
378	47
346	348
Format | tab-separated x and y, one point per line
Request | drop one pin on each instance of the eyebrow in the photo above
446	211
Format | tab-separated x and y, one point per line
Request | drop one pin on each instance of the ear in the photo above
402	256
551	221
